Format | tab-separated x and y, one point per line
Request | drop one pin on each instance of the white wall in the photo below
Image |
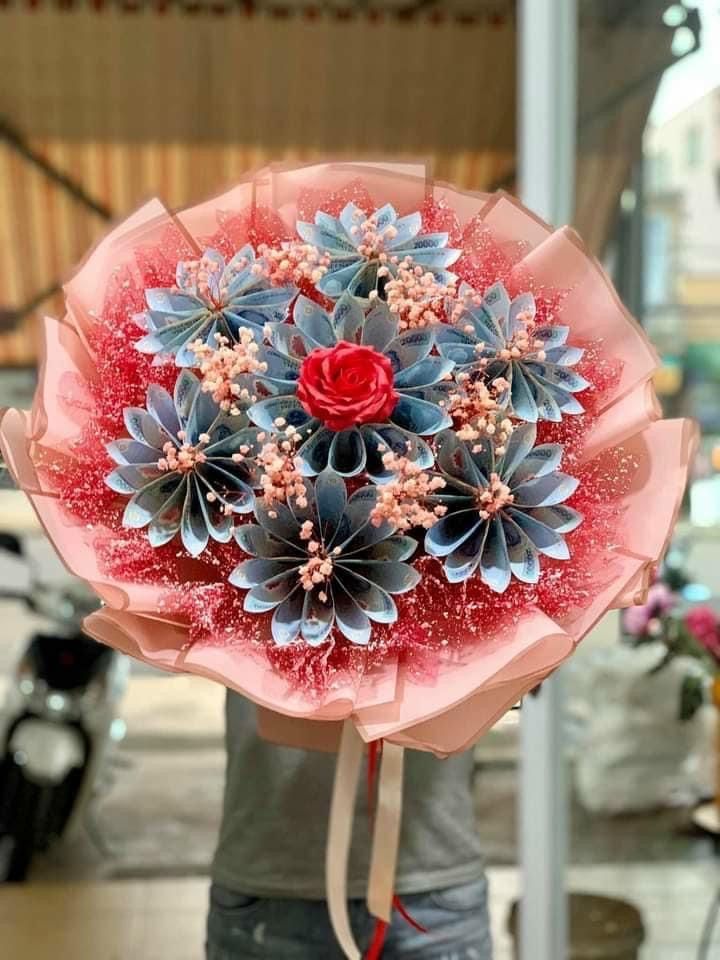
672	166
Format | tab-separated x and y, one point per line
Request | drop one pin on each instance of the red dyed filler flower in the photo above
346	385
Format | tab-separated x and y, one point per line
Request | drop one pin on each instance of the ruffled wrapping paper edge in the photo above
474	690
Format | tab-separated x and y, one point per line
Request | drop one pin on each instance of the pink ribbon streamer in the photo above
386	833
340	823
385	842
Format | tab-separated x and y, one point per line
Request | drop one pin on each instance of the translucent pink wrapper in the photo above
470	691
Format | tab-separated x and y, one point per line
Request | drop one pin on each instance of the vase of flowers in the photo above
690	633
642	735
693	633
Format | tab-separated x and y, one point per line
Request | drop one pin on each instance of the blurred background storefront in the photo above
103	104
133	101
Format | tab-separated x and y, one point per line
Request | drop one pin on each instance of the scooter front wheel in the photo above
26	806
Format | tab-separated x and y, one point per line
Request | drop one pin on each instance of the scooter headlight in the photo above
60	706
57	702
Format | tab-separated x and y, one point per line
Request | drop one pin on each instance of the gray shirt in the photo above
277	800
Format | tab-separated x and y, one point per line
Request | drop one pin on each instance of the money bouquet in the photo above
371	451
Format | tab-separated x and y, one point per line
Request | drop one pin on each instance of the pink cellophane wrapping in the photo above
468	689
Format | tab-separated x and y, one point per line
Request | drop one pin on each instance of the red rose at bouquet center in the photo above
346	385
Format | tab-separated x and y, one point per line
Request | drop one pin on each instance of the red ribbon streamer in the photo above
400	907
378	941
381	929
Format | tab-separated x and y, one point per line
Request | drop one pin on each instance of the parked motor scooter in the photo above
60	723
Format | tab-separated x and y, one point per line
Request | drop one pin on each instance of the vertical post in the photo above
547	109
630	256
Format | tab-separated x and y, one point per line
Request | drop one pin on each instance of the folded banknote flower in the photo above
498	338
502	513
187	466
324	565
366	249
210	298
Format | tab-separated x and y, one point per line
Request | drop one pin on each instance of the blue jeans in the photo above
250	928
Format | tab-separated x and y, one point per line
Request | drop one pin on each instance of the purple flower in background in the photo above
660	601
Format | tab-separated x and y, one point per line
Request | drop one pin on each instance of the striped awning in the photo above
128	103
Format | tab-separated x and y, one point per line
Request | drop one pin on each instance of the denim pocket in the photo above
228	901
465	897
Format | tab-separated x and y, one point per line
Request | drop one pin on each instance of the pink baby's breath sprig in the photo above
413	294
476	411
292	262
466	298
522	342
186	458
495	497
318	570
281	467
369	236
200	273
221	366
210	277
405	500
182	458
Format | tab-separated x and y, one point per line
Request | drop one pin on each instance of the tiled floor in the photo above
150	920
163	920
672	897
